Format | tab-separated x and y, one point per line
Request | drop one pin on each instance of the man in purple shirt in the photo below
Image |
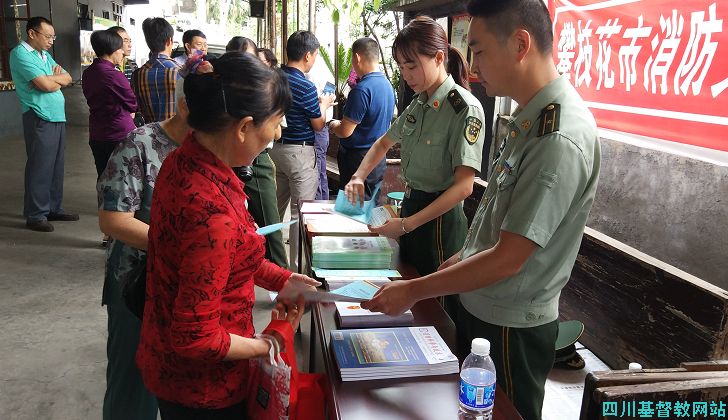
110	99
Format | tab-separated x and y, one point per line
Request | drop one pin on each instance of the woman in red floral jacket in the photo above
204	255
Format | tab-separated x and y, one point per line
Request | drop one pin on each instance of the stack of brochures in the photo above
351	252
334	225
381	353
352	315
336	282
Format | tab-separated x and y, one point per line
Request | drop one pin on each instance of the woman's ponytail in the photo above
457	67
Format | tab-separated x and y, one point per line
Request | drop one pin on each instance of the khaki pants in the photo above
297	178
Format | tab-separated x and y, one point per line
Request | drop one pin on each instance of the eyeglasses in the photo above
48	37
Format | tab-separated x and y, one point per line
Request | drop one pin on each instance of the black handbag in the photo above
135	288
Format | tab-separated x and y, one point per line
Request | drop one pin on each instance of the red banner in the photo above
656	68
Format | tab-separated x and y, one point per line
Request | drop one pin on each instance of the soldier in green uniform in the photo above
525	236
441	133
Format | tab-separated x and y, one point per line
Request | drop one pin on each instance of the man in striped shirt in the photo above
154	82
294	155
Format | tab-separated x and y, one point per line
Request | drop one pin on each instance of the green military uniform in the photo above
437	135
263	206
542	188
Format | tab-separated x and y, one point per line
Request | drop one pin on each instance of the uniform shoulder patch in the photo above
456	100
549	120
473	125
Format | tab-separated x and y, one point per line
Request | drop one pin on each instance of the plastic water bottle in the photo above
477	383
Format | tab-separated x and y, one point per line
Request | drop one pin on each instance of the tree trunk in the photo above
336	59
312	15
284	27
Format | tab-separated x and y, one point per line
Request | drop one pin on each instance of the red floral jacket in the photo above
204	258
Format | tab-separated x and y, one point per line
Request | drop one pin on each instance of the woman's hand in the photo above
295	286
392	228
291	312
354	191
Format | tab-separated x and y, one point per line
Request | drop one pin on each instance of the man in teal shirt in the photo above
525	236
38	80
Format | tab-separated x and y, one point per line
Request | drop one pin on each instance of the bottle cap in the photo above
634	366
480	346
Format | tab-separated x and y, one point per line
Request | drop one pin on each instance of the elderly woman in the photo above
110	99
260	179
204	254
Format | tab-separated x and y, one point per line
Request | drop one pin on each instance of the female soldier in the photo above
441	133
204	254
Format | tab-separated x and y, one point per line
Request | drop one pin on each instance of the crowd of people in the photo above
192	154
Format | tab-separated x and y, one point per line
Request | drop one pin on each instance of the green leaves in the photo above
343	57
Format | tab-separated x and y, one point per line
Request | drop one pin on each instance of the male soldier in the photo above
526	233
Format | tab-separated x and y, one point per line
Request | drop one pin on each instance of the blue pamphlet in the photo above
361	289
275	227
360	213
391	352
326	272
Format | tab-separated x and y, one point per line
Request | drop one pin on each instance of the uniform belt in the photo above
420	195
297	143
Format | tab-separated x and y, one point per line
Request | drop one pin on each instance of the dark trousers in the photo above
44	147
349	161
263	206
102	151
522	356
431	244
126	396
322	145
174	411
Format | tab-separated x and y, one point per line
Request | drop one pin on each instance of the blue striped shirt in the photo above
304	107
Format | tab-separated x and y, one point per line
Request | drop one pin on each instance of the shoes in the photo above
39	225
62	217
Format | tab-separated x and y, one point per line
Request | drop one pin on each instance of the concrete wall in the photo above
670	207
10	122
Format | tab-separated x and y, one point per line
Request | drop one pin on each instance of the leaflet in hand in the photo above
267	230
366	213
359	291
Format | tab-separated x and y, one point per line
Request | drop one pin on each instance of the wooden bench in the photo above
639	309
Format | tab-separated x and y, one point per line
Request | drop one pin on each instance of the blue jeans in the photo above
322	144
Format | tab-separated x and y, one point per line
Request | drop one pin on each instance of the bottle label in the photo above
477	397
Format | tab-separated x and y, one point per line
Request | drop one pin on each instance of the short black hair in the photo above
189	35
240	86
300	43
157	31
35	22
117	29
240	43
105	42
366	47
272	60
505	16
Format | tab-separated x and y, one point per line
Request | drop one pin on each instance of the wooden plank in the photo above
704	390
713	389
714	365
638	309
